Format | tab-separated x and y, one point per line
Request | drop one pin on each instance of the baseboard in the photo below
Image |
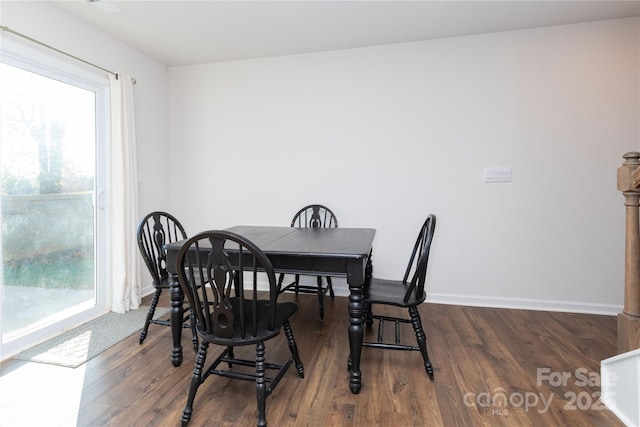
146	291
526	304
515	303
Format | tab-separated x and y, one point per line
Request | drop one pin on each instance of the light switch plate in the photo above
497	174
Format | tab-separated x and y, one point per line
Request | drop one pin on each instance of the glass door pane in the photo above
48	160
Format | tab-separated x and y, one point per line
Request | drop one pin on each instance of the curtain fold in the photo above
125	291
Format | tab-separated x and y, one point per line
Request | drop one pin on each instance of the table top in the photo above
320	242
300	250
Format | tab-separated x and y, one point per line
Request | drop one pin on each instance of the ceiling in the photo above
193	32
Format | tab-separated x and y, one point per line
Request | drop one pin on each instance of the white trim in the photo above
620	376
525	304
37	60
504	302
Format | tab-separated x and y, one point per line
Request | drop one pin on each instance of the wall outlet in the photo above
496	174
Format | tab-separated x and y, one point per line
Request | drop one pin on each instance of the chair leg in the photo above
288	332
368	314
422	339
194	333
320	298
280	280
152	311
261	386
196	380
231	356
297	283
330	286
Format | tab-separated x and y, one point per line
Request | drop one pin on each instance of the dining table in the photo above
337	252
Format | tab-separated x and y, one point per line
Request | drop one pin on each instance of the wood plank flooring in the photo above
493	367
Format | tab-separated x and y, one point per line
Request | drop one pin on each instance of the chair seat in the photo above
392	292
283	312
163	283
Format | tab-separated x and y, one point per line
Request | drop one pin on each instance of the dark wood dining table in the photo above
337	252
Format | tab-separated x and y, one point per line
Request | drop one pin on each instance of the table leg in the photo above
177	316
355	279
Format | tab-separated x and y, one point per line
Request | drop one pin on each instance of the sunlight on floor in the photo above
37	394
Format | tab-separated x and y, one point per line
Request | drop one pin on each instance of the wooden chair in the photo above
154	231
312	216
404	294
229	311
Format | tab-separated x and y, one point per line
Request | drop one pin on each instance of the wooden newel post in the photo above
629	319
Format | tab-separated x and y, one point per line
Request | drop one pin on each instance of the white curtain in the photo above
123	207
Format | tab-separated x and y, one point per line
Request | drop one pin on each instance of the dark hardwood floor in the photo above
493	367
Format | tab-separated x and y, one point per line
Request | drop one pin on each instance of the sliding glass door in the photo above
52	133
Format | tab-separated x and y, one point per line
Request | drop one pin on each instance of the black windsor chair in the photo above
154	231
222	264
404	294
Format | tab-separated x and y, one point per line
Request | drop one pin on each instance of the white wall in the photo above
44	22
386	135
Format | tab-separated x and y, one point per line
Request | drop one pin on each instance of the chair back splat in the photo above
226	267
219	273
314	216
